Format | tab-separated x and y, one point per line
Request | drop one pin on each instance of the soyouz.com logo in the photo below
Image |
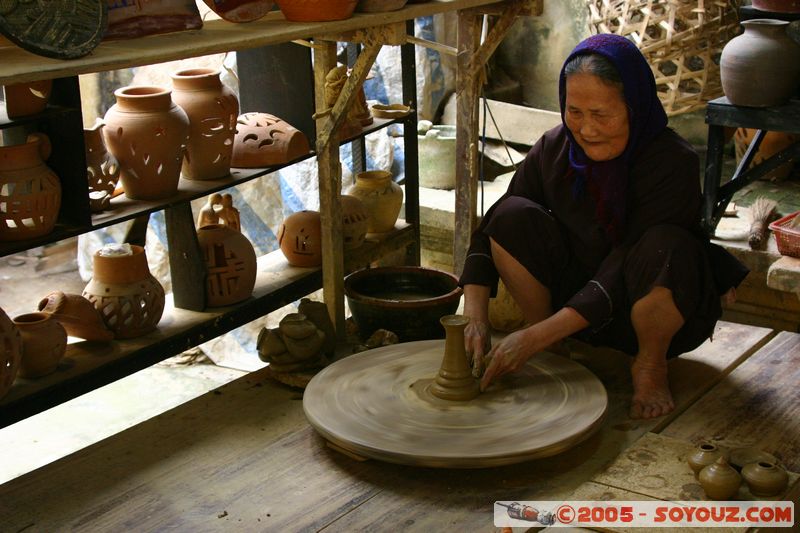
643	514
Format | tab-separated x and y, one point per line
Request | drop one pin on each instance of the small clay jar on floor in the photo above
719	480
704	455
765	479
44	343
10	352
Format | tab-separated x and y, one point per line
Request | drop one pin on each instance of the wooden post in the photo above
187	266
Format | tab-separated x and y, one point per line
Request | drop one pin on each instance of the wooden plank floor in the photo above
243	458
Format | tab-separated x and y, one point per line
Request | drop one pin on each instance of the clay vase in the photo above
765	479
10	353
77	315
719	480
355	222
455	380
317	10
102	168
761	67
437	155
30	193
779	6
230	265
264	140
147	133
130	300
212	109
24	99
704	455
300	239
44	343
381	197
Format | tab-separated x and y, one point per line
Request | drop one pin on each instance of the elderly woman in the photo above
598	236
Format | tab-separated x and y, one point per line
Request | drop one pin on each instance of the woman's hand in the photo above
510	354
477	343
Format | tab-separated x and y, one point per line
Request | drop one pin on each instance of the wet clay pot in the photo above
147	133
300	239
130	300
355	222
765	479
102	168
77	315
44	343
30	193
317	10
704	455
10	353
761	67
264	140
719	480
230	264
212	109
24	99
455	381
381	197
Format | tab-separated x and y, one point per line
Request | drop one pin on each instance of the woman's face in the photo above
597	116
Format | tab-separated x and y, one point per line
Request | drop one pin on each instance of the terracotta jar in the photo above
355	222
381	196
317	10
77	315
704	455
44	343
455	380
102	168
765	479
264	140
23	99
719	480
300	239
30	193
10	353
130	300
761	67
230	264
147	133
212	109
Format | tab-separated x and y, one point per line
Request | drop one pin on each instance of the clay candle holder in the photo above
264	140
44	343
24	99
300	239
10	353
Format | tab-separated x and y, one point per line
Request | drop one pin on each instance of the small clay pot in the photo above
705	454
44	343
765	479
719	480
77	315
300	239
381	196
24	99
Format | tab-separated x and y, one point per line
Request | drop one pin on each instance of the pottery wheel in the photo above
376	404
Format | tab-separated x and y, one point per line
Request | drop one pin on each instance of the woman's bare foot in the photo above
651	395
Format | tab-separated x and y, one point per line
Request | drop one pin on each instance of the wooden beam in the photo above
187	265
494	38
433	45
393	34
529	8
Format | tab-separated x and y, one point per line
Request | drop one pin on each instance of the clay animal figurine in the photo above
295	345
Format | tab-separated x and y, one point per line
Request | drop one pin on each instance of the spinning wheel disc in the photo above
376	404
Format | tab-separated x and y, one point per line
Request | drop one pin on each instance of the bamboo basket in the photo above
681	40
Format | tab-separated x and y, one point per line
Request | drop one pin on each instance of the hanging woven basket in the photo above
681	40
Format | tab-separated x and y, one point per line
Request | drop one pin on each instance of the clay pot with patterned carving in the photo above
147	133
765	479
212	109
355	222
102	168
230	264
10	353
30	193
381	196
300	239
77	315
24	99
264	140
44	343
719	480
130	300
761	67
317	10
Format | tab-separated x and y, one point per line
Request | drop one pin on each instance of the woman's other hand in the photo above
509	355
477	342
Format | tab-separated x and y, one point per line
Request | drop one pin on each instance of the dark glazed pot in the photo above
407	300
778	6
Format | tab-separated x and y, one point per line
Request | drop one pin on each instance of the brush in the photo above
761	213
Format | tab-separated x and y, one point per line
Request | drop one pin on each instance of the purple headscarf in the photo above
607	181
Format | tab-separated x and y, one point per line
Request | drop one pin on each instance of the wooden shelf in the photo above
88	365
216	36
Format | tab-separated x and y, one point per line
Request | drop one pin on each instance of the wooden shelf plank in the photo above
216	36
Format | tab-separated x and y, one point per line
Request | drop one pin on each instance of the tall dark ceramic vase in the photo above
760	67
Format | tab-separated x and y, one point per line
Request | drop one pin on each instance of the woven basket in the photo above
681	39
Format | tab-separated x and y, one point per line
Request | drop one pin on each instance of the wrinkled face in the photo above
597	116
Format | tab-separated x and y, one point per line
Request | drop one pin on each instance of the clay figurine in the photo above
295	345
229	215
208	215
